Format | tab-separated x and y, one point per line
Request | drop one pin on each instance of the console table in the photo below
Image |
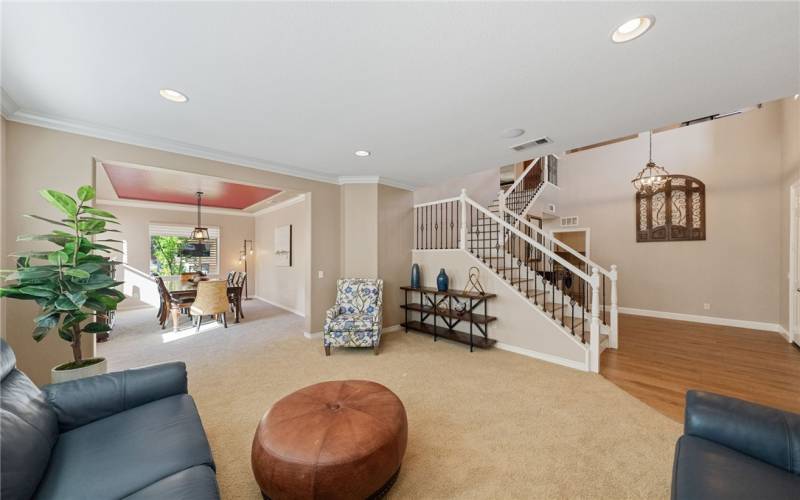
440	307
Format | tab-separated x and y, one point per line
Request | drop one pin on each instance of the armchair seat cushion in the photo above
352	322
119	455
705	469
362	338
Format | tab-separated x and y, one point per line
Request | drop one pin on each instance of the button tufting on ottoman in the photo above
339	440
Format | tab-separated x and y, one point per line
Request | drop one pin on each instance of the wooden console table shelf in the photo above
440	306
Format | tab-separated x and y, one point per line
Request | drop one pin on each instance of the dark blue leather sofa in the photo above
734	449
134	434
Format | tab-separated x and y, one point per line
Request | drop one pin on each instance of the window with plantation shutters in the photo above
167	250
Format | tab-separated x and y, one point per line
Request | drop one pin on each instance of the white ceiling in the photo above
427	87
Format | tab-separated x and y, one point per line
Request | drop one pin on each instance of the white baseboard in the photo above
293	311
710	320
136	307
783	333
318	335
569	363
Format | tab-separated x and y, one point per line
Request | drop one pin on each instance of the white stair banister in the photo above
594	329
613	337
462	232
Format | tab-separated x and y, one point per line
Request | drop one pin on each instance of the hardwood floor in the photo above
659	360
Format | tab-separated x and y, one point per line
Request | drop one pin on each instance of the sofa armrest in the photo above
82	401
764	433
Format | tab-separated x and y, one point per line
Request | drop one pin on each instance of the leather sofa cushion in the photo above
82	401
119	455
707	470
29	431
768	434
194	483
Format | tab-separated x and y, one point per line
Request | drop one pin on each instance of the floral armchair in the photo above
357	318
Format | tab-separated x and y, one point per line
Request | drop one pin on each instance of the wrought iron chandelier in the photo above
199	233
652	177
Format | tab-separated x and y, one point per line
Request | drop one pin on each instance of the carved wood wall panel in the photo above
677	212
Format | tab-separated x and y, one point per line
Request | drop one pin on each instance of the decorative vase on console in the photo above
415	276
442	281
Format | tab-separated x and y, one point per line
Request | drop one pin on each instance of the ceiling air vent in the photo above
532	144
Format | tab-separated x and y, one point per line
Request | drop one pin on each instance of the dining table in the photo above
179	290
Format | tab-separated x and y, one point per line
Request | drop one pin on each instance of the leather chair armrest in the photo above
82	401
764	433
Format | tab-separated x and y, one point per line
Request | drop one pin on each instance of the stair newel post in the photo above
613	337
462	231
594	329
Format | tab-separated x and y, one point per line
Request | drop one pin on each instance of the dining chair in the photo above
211	300
168	303
235	280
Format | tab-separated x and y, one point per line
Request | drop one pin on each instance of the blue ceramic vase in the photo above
442	281
415	276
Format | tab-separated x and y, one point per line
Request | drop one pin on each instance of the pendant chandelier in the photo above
199	233
652	177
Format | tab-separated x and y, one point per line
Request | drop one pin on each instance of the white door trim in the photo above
587	237
794	284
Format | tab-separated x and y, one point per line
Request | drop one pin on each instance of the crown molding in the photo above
374	179
7	105
153	142
278	206
12	112
155	205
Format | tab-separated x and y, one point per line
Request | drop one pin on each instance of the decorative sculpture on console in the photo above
473	281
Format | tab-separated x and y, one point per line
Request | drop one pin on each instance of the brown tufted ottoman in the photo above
340	440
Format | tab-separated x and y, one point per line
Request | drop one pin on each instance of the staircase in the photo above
550	276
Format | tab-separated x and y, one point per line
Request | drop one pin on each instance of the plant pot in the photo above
98	368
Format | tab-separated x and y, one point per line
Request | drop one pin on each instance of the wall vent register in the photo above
570	221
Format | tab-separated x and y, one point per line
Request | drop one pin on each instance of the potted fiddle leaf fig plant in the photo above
72	284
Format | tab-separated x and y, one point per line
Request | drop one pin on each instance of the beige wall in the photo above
134	224
518	323
481	186
377	224
282	286
395	239
737	267
790	174
360	230
38	157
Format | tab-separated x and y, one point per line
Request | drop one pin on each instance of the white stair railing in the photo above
611	274
501	242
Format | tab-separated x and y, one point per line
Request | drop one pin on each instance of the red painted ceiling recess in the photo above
166	186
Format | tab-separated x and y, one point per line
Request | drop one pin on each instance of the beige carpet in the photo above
490	424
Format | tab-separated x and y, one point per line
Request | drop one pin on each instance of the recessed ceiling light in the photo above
632	29
510	133
362	153
173	95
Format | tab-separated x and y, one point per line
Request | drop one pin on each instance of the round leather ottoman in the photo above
335	440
